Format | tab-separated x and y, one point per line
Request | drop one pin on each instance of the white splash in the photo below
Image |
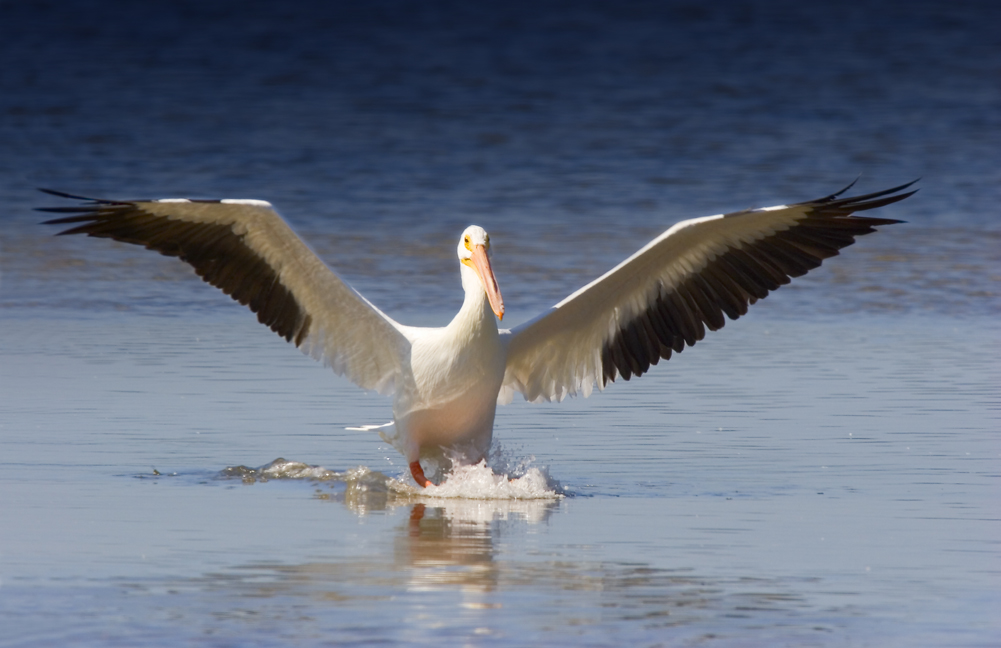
480	482
514	481
282	469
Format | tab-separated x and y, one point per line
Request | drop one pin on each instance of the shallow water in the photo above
825	471
802	481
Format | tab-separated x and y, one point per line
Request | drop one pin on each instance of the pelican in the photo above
446	382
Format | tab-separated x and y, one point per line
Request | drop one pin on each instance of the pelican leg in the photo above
418	473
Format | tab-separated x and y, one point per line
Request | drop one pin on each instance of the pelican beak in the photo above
481	263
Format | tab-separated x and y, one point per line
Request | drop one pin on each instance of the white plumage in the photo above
446	382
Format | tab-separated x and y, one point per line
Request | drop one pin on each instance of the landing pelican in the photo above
447	381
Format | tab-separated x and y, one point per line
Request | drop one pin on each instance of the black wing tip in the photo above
70	219
91	202
80	213
63	194
845	207
898	189
834	195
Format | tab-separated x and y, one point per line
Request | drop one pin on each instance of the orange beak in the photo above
481	263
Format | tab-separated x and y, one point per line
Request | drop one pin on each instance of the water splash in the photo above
282	469
517	480
480	482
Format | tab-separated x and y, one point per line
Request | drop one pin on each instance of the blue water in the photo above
824	472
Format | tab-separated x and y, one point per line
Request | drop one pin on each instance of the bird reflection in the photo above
449	544
442	549
441	544
445	543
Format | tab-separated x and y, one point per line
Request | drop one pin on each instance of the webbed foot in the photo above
418	473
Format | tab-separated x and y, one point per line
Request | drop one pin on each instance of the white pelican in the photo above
447	381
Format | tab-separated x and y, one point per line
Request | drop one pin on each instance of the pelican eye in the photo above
468	243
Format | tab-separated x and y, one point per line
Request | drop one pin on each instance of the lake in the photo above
826	471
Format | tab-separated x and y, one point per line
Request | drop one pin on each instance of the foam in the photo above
480	482
519	481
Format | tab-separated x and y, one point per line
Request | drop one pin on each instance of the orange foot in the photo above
418	473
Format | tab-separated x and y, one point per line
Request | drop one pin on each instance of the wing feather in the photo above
245	249
689	279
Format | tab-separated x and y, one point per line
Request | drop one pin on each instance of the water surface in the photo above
825	471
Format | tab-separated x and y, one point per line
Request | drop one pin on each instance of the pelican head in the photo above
474	252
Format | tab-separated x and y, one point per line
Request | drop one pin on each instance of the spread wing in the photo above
245	248
681	283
